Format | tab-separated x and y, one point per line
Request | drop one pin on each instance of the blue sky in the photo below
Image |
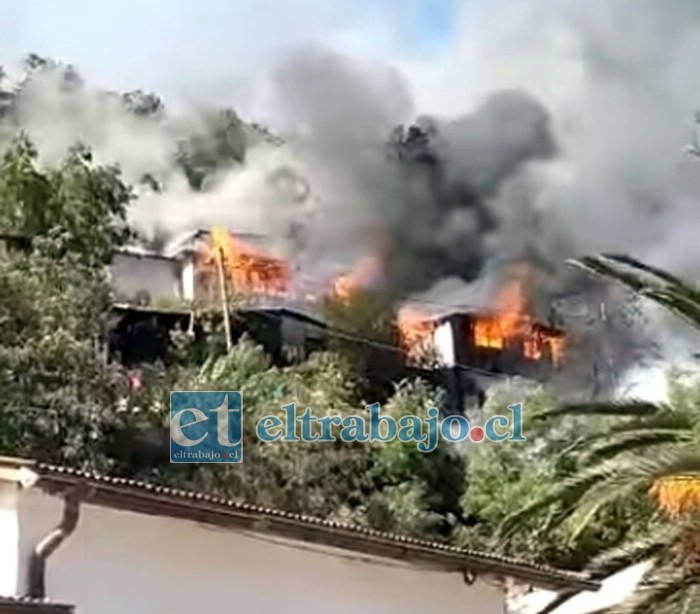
181	46
435	23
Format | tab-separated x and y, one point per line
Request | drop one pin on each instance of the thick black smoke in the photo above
428	198
453	201
450	173
466	199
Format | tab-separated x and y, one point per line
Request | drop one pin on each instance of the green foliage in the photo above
423	489
388	486
626	449
219	142
59	396
503	479
57	391
87	203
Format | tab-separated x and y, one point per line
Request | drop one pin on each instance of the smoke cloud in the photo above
569	137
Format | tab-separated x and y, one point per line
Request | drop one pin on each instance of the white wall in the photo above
9	537
119	562
188	279
130	274
614	590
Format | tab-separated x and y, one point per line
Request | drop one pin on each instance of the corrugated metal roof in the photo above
150	498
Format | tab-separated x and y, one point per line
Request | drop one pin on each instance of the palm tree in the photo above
639	452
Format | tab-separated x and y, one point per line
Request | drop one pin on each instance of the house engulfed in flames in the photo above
503	338
215	266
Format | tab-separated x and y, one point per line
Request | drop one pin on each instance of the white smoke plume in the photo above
585	152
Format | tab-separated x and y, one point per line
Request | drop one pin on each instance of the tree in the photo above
201	146
386	486
639	451
219	142
86	201
502	479
58	394
418	492
143	104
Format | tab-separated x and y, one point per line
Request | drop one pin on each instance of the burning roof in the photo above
499	325
191	241
505	326
250	269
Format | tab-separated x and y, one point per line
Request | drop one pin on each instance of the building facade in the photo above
109	546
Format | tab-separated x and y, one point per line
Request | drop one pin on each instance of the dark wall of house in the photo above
138	337
508	361
142	337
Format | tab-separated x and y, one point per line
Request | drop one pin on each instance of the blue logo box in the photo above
206	427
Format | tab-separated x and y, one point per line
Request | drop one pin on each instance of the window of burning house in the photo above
142	337
495	344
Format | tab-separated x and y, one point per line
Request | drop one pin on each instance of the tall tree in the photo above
640	450
220	141
59	396
87	202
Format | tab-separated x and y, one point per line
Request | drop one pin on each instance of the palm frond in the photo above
686	307
621	474
635	551
634	408
570	490
681	460
666	590
517	520
615	487
678	296
601	267
633	263
672	421
635	439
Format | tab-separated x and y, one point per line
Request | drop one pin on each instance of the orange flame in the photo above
348	285
250	269
513	324
414	327
677	495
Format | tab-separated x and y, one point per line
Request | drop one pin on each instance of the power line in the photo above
341	334
335	332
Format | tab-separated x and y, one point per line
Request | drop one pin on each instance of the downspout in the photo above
47	546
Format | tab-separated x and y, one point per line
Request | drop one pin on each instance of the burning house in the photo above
474	348
501	338
157	293
462	350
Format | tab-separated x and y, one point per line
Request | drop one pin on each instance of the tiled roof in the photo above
148	498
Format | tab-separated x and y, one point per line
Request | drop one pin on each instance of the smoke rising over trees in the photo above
516	179
461	198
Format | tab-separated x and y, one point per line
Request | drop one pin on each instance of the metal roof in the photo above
149	498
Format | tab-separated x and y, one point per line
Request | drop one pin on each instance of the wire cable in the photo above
340	334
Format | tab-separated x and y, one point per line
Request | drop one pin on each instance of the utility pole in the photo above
224	298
